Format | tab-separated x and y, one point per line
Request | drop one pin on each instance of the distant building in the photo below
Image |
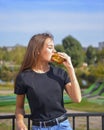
10	48
101	45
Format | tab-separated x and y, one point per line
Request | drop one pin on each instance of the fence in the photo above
73	117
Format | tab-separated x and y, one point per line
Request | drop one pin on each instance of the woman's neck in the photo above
41	68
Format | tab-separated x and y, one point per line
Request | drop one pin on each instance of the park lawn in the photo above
85	106
8	106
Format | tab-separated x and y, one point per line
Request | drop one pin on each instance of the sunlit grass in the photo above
84	105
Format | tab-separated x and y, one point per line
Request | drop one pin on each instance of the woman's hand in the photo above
67	63
20	125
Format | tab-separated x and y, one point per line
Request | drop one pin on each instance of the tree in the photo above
74	49
100	56
59	48
91	55
4	54
1	54
17	54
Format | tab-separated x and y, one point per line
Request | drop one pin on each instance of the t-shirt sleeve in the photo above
20	87
66	78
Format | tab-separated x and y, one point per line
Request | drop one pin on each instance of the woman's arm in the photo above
19	113
72	88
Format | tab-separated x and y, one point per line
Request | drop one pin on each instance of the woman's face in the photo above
47	50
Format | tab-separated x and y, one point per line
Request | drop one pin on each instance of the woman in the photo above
43	84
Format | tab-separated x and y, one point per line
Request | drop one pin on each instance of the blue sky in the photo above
20	19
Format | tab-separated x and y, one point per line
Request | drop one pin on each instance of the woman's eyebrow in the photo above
50	45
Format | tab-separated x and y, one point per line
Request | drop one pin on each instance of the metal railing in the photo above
73	116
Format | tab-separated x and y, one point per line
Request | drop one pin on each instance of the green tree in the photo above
1	54
17	54
59	48
6	74
4	54
97	71
91	55
74	49
100	56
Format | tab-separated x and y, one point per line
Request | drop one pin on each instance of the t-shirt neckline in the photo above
43	72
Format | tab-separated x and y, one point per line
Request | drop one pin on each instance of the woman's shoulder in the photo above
57	69
25	73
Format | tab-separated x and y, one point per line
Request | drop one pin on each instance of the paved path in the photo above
6	92
95	123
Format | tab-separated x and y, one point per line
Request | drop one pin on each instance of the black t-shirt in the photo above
44	92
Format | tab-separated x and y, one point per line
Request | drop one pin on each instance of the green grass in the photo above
88	90
6	86
7	109
8	102
4	126
85	105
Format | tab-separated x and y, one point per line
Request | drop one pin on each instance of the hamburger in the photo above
57	58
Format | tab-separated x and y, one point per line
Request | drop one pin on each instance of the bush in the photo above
7	73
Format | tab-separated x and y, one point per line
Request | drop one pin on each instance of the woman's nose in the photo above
54	50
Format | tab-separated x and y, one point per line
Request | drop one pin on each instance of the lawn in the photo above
8	101
85	106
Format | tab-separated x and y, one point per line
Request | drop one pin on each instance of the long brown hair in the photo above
34	46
